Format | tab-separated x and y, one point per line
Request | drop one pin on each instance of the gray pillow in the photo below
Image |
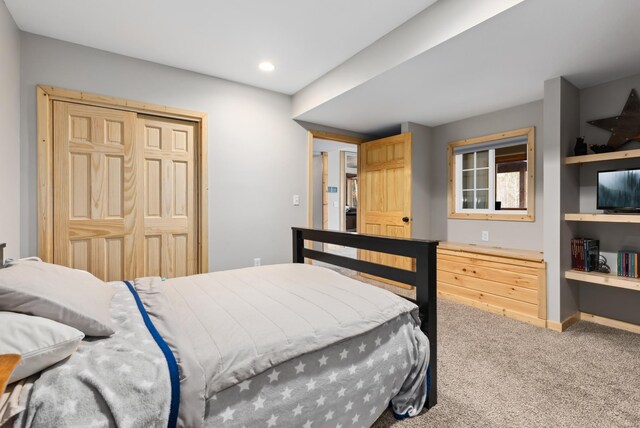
69	296
40	342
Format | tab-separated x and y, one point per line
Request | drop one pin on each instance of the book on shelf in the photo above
628	264
585	254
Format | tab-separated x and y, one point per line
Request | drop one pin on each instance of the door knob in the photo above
405	219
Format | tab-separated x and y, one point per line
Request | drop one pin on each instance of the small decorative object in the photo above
625	127
601	148
580	148
602	265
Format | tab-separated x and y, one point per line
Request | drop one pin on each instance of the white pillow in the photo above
40	342
70	296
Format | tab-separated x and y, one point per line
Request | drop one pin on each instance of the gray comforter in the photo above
230	326
226	328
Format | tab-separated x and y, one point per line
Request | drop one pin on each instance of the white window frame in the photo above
492	186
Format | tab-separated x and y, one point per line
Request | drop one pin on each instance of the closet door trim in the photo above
46	95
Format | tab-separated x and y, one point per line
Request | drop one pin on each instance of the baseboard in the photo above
596	319
609	322
562	326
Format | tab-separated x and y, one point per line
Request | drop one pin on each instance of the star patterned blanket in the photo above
348	384
119	381
279	346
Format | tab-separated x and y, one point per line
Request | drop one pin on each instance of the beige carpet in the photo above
497	372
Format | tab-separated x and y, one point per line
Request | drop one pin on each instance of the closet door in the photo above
168	196
94	190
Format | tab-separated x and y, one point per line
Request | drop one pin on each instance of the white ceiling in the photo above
499	63
457	59
224	38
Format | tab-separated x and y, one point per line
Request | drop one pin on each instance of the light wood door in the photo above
385	180
94	201
168	224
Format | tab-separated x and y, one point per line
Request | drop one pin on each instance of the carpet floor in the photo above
498	372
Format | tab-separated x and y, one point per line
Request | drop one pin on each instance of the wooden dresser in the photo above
503	281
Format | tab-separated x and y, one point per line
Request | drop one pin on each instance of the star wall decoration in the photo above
626	126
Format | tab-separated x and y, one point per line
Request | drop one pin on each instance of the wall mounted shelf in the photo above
607	279
603	218
600	157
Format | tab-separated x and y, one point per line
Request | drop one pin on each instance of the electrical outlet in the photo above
485	235
296	200
257	261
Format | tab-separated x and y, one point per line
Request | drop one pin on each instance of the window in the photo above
511	177
475	180
492	177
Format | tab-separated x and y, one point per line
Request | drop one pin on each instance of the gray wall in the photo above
10	126
255	149
510	234
561	126
421	179
595	103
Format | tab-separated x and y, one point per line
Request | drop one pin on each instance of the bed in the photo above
276	346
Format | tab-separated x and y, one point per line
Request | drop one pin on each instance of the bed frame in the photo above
423	279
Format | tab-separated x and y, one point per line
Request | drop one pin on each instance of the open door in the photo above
385	188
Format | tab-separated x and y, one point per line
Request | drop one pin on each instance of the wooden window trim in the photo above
46	95
531	167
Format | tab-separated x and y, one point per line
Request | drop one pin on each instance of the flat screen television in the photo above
619	190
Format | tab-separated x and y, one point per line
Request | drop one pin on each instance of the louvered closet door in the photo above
94	190
168	195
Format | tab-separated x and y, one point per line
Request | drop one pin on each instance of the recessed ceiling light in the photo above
266	66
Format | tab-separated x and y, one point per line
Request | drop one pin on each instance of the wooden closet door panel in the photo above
94	190
385	177
169	195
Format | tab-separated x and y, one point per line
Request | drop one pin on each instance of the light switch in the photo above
335	204
296	200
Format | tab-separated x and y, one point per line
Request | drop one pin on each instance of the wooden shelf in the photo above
608	279
603	218
600	157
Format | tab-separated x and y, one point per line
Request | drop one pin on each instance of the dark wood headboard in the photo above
423	278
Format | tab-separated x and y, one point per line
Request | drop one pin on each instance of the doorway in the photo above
335	189
381	187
